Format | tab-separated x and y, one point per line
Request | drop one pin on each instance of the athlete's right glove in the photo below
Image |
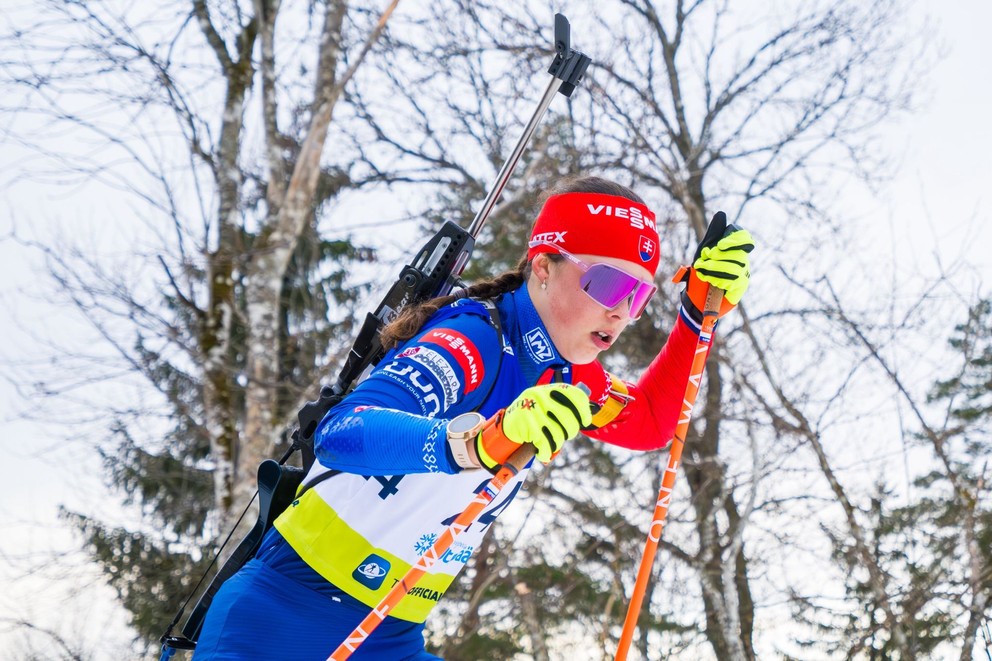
545	416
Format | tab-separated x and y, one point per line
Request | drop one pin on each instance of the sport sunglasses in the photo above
608	285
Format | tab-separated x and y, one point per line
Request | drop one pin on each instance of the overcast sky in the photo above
946	147
941	201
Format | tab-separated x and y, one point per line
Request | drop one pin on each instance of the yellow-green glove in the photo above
724	263
545	416
727	265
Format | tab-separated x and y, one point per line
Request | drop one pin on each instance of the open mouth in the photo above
603	339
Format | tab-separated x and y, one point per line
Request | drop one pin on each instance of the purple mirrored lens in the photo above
639	302
609	286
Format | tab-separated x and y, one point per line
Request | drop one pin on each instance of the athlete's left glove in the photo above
722	260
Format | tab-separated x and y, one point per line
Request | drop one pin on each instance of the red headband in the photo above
598	224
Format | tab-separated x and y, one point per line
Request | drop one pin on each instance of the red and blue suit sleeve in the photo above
648	421
394	422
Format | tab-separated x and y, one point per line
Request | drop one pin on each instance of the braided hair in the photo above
413	317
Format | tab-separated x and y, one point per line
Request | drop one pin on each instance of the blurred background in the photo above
201	200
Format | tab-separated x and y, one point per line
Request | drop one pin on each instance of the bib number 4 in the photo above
489	515
390	487
390	484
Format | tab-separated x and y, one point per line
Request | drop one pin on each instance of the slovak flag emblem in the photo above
647	248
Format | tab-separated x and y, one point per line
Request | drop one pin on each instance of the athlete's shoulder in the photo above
465	312
466	322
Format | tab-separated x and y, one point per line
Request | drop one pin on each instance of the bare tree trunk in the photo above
275	245
267	12
976	615
705	475
215	334
532	622
739	577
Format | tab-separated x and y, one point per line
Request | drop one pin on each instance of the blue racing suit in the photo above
338	549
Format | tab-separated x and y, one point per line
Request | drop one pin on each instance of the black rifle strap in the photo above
306	486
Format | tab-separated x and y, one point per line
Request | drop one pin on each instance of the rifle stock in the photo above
433	272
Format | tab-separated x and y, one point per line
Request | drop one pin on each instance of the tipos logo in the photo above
539	346
372	571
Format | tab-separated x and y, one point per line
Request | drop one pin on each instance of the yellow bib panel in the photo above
379	527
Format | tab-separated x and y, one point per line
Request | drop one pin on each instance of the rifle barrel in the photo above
511	162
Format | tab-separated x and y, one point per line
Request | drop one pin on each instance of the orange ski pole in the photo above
714	298
513	465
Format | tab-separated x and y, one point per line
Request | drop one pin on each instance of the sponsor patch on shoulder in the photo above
442	371
463	349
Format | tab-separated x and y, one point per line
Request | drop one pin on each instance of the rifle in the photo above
434	272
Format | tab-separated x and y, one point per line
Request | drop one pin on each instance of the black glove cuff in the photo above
690	308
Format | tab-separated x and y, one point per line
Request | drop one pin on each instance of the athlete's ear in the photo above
540	266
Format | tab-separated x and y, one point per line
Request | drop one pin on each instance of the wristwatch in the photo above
462	431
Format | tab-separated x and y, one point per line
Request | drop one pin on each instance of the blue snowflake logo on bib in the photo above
425	542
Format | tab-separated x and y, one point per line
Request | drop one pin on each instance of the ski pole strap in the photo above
616	399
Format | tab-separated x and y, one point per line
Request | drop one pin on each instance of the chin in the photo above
581	357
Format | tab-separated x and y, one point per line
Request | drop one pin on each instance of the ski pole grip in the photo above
520	457
714	299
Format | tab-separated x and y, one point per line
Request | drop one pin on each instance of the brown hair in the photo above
413	317
594	185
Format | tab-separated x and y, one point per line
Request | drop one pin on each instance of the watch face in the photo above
464	423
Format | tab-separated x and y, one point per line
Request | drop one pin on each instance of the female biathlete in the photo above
466	381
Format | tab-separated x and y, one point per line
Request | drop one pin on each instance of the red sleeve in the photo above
648	421
593	376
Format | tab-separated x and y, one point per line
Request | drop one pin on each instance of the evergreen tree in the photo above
935	551
169	484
